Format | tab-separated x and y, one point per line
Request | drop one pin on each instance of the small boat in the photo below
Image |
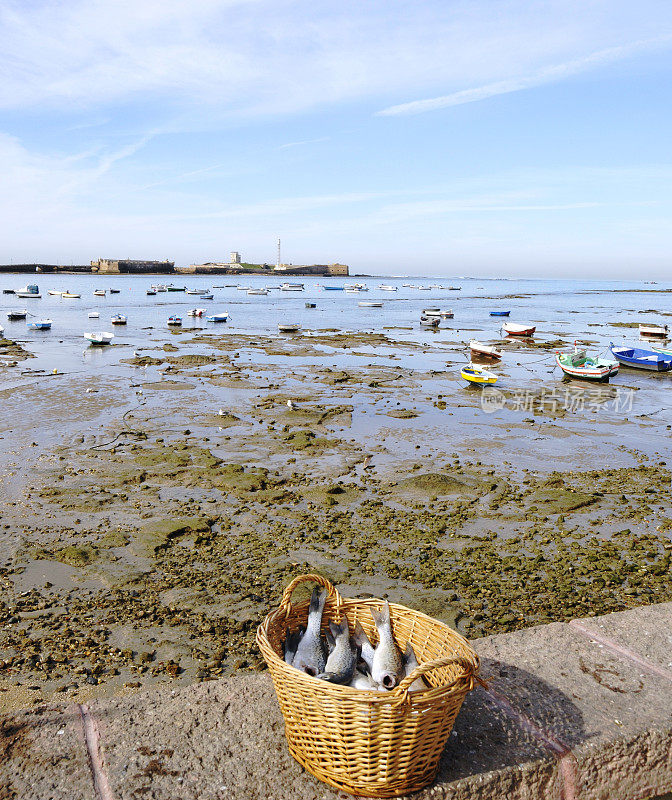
515	329
40	325
454	288
333	288
291	287
161	288
218	317
195	291
641	359
195	312
355	287
55	292
99	338
8	291
151	291
258	291
499	313
384	287
666	351
289	327
579	365
100	293
243	288
423	288
70	296
18	314
93	315
172	288
660	331
484	350
474	374
32	291
369	304
115	291
438	312
311	305
119	319
430	322
174	321
207	297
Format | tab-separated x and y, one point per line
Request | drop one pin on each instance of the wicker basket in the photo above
378	744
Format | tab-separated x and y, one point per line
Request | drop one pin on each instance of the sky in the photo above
489	137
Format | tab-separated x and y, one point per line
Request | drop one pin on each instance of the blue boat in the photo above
333	288
641	359
499	313
40	325
217	318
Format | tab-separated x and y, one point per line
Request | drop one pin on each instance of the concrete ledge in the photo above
578	711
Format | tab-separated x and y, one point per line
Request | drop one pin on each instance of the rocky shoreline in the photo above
150	521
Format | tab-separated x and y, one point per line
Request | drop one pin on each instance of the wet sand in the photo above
152	515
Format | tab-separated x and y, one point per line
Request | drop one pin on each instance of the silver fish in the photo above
343	658
362	681
387	668
311	657
291	643
364	644
411	663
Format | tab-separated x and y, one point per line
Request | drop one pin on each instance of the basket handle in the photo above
471	667
286	602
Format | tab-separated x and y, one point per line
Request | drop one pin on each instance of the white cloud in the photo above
551	74
229	58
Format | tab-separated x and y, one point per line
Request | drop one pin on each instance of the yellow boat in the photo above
475	374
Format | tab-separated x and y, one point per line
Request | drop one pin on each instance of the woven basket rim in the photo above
368	696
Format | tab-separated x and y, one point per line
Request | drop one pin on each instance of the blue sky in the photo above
505	137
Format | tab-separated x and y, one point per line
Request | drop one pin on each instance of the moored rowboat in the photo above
654	330
499	313
99	338
641	359
484	350
474	374
579	365
515	329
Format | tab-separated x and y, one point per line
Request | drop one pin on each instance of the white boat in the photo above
17	314
387	288
369	304
195	291
661	331
55	292
93	315
174	321
515	329
430	322
31	291
119	319
218	317
207	297
99	337
70	296
289	327
161	288
423	288
438	312
258	291
243	288
151	291
484	350
195	312
291	287
100	292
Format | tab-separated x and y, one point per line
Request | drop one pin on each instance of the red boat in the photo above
515	329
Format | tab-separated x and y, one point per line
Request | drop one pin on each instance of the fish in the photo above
311	656
362	681
387	667
410	664
291	643
367	649
343	658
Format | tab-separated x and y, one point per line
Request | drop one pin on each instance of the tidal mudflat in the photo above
151	515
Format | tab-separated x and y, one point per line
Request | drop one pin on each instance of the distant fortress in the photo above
235	266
